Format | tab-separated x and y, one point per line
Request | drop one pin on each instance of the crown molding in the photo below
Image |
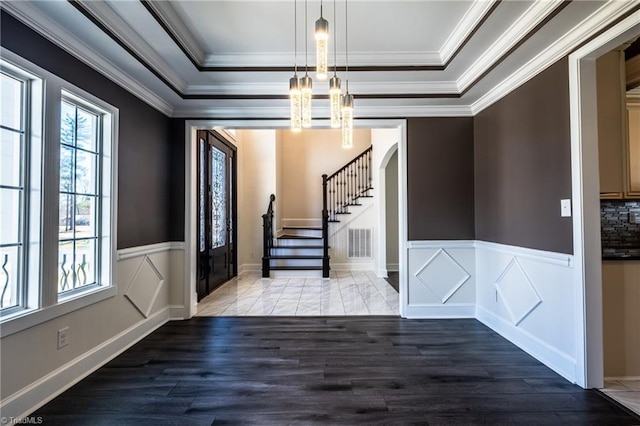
281	59
321	87
176	27
54	32
110	19
243	113
564	45
466	26
520	29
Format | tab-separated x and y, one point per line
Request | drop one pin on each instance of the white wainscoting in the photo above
528	296
143	281
441	279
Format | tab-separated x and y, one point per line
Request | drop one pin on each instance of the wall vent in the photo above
359	244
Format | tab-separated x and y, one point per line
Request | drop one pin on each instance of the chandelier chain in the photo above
346	41
306	56
295	37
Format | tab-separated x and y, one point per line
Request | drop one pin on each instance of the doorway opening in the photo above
586	197
216	214
257	177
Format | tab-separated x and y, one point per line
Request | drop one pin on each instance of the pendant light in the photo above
334	82
322	37
295	93
306	85
347	98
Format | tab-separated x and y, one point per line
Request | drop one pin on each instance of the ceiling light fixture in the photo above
347	98
322	37
306	84
295	93
334	82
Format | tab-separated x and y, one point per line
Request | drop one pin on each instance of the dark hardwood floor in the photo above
353	370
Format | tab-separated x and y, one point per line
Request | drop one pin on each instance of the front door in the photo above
216	212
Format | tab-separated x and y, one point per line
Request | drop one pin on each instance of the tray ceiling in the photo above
233	59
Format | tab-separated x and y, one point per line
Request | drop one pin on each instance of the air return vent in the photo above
359	243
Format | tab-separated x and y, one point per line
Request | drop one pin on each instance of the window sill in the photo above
30	318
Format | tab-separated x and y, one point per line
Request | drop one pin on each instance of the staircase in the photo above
307	248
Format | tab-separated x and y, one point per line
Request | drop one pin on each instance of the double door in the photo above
216	211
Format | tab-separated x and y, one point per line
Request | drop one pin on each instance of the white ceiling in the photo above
233	59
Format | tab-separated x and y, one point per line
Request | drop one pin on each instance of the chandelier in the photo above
301	89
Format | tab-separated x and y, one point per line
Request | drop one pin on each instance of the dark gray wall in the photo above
177	166
523	165
440	178
144	158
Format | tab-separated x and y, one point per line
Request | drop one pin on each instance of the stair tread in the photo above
296	268
305	228
298	237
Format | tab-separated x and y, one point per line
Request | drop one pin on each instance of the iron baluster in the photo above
6	281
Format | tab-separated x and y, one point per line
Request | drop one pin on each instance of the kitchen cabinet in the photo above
621	317
610	85
632	189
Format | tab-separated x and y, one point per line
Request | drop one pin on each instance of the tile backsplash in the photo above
616	230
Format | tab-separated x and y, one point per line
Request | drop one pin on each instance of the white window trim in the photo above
47	306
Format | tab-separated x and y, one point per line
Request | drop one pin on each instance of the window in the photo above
12	188
79	203
57	235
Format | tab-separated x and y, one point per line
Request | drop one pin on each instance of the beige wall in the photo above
256	182
306	156
391	212
621	318
279	183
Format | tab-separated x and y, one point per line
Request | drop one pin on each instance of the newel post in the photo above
267	238
325	230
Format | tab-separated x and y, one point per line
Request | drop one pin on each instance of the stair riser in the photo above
283	242
296	262
304	232
296	274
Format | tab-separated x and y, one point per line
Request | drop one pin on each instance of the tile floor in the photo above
626	392
345	293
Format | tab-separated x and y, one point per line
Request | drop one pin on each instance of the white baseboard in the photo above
27	400
249	267
352	266
466	310
311	222
176	312
623	378
382	273
559	362
393	267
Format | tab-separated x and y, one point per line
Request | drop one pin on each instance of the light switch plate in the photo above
565	208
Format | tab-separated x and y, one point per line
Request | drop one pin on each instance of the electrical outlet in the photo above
634	216
63	337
